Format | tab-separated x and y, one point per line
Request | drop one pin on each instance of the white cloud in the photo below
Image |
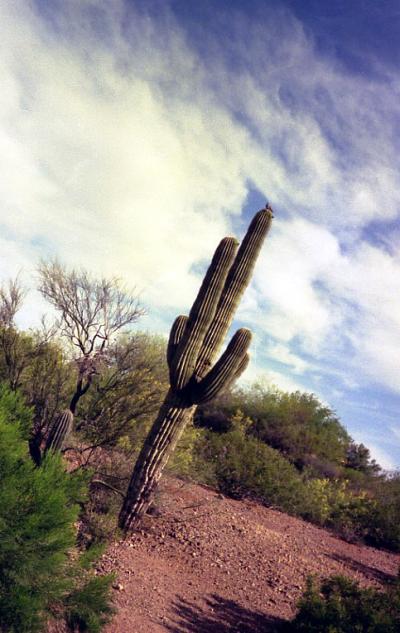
282	354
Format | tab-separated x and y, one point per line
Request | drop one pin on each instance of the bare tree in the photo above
90	313
11	297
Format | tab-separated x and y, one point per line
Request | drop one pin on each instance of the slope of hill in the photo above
206	563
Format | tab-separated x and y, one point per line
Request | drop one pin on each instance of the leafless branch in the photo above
90	311
12	295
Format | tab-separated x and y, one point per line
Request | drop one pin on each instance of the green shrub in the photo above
297	424
351	512
384	522
244	466
39	569
183	461
316	501
88	608
339	605
14	410
38	508
334	504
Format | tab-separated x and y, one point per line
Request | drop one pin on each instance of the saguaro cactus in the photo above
60	430
193	345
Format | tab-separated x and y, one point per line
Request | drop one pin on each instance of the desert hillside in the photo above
206	563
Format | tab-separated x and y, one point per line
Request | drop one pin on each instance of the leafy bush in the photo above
184	460
384	522
358	458
339	605
245	467
296	423
38	508
335	505
14	410
38	511
88	608
316	503
125	394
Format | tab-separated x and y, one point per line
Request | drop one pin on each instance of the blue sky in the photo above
134	135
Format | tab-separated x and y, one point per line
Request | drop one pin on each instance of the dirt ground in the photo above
205	563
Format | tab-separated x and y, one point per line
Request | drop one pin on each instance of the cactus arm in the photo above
202	313
175	337
225	370
236	283
240	369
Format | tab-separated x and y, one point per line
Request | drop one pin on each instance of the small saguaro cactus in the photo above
59	431
193	345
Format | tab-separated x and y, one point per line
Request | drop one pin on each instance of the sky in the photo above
134	135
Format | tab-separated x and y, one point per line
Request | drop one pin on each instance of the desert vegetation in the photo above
78	400
340	605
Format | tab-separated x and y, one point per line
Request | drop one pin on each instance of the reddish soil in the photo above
206	563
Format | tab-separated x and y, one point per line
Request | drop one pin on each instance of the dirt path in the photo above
212	564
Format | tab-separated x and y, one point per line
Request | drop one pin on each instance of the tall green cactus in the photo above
195	377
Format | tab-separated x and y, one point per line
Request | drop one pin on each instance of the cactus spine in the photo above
59	431
195	377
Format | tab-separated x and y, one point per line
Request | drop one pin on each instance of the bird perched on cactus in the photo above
195	375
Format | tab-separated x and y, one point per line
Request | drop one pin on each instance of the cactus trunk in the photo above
169	425
193	345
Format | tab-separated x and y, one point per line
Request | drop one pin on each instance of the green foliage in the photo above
47	381
125	395
244	466
14	410
37	367
184	460
339	605
16	351
100	512
333	504
316	500
384	522
38	508
358	457
91	555
88	608
337	483
297	424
